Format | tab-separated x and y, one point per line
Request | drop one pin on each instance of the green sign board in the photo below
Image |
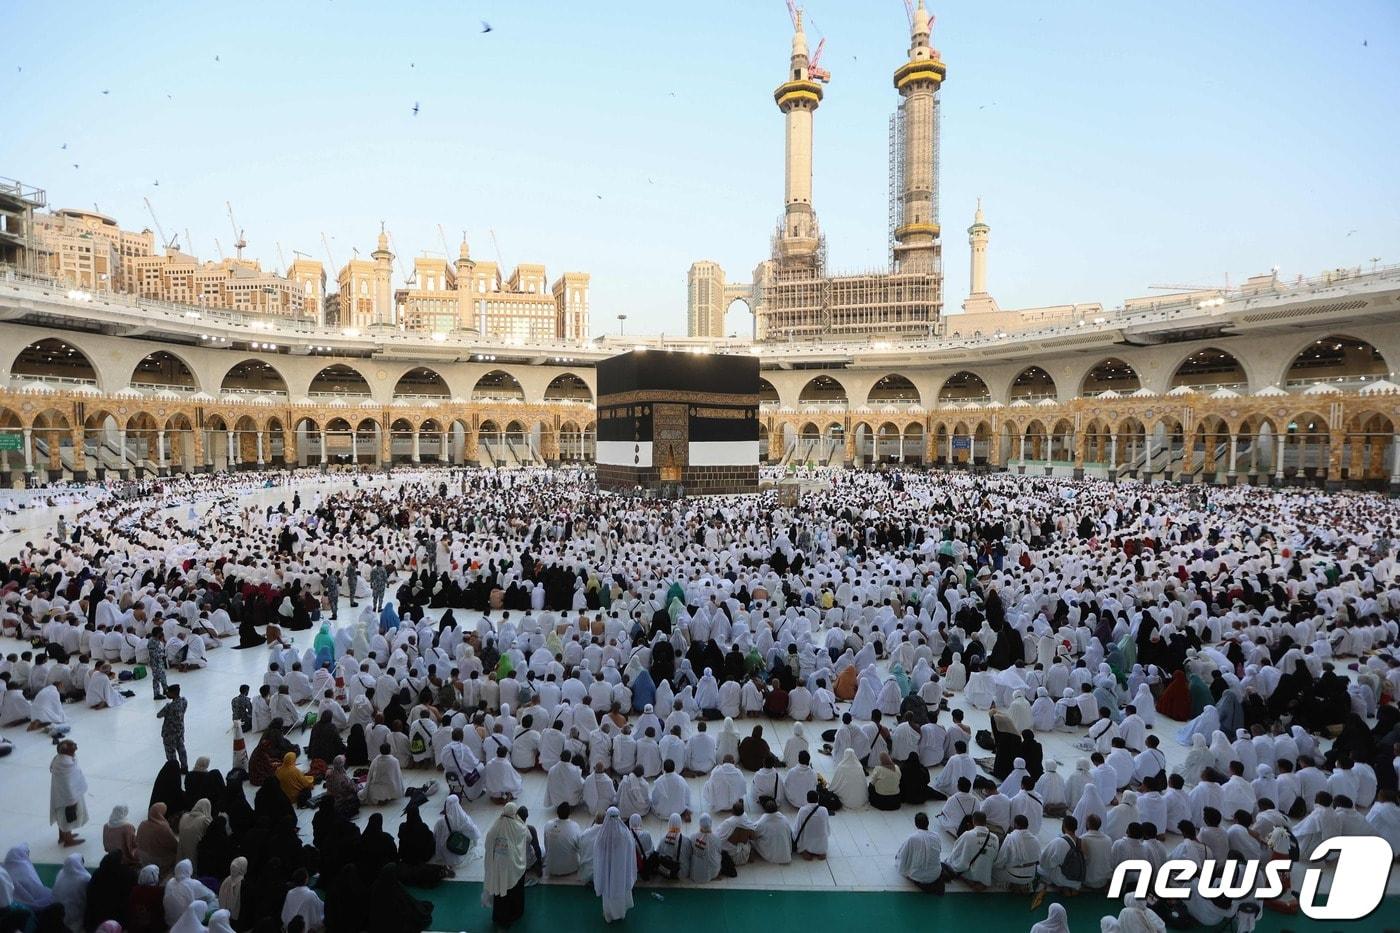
11	441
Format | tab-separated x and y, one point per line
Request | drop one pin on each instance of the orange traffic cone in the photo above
240	750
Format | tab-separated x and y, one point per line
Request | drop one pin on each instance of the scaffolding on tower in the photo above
896	175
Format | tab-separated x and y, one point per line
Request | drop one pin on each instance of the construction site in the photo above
793	296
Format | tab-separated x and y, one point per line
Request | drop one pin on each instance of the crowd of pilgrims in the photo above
471	627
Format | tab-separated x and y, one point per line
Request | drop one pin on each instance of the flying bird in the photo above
216	58
598	196
485	26
106	92
75	164
157	182
1350	232
415	108
64	146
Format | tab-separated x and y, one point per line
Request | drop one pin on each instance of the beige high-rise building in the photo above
705	304
89	250
433	304
310	275
571	298
358	290
230	284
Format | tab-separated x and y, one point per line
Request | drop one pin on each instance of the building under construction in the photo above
792	296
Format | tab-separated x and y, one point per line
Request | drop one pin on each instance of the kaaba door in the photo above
670	441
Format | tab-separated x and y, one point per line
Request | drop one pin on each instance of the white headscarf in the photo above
506	847
1057	921
848	781
191	921
29	889
614	866
70	889
231	891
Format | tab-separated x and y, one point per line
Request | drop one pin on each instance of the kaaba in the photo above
675	421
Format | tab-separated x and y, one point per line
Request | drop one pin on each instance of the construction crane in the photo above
814	68
500	262
166	244
443	237
238	242
219	249
281	260
189	241
409	278
334	269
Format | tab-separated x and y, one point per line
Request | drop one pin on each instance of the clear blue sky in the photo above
1114	144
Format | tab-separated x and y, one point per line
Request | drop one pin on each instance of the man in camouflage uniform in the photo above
155	661
330	584
378	581
172	730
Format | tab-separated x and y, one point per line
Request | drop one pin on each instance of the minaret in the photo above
918	80
383	295
798	98
977	235
466	287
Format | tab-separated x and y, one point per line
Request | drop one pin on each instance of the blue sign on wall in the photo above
962	442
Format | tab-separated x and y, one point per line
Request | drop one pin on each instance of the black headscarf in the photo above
357	749
347	902
392	909
377	847
235	807
108	891
416	841
215	850
169	789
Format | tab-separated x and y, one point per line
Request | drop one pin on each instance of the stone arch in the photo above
54	359
1336	359
568	387
401	434
888	442
254	376
893	389
571	442
307	436
339	380
498	385
912	443
1306	437
52	429
767	395
10	461
964	386
1110	373
1032	384
1369	458
1208	368
824	389
421	382
164	369
863	441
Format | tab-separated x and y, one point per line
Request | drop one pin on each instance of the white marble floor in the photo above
120	752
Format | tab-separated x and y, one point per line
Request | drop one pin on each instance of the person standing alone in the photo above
172	730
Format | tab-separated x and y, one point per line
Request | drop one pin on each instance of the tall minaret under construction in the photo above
798	98
916	246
